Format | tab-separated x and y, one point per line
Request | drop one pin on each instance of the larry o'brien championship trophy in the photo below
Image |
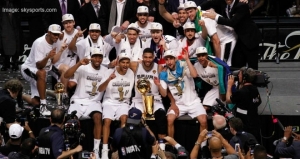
144	86
59	90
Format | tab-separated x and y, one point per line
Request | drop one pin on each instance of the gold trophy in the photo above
58	90
144	86
178	87
121	93
94	89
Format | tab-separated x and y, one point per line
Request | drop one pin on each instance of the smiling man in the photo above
143	23
117	84
39	63
86	99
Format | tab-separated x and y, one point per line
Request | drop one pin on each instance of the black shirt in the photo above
7	107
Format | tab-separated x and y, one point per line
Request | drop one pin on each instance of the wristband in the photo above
197	143
29	132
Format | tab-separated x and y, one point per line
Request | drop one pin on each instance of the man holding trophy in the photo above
147	97
86	99
178	77
117	84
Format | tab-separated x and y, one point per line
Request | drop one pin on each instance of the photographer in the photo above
51	139
27	151
246	98
292	151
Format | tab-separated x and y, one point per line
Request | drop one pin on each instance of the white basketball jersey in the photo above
208	74
145	32
149	75
88	81
120	86
192	48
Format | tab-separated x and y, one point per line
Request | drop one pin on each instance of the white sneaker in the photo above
104	154
44	111
96	152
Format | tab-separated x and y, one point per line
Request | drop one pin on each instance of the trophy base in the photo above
148	116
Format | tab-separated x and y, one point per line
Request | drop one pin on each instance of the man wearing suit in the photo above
117	13
89	13
63	7
249	37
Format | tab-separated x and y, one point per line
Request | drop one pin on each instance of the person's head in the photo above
96	57
124	60
260	152
134	116
202	56
156	32
182	15
229	2
170	155
133	33
94	2
219	122
15	131
246	75
191	9
215	145
94	31
189	30
170	58
14	86
54	31
68	22
27	146
235	125
142	14
57	116
148	57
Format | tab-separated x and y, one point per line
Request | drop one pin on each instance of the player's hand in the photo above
210	15
61	36
156	81
118	38
150	19
80	32
162	41
201	22
185	54
64	45
124	26
84	61
52	53
176	24
113	63
175	15
161	1
113	75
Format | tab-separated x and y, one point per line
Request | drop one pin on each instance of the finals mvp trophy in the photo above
59	90
144	86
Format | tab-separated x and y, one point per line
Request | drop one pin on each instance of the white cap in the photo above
170	53
156	26
189	25
181	6
124	54
201	50
54	28
190	4
95	26
142	9
96	51
133	26
15	131
67	17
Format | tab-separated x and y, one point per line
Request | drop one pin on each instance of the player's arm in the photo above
133	66
70	72
103	86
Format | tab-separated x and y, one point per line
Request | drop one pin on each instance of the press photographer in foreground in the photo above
246	98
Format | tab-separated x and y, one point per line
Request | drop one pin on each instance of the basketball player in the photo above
118	85
143	24
178	77
148	69
86	99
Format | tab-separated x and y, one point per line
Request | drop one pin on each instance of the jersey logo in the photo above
154	71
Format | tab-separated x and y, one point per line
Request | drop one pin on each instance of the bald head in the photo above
219	122
215	144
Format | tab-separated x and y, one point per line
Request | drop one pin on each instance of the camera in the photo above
209	134
221	109
260	79
236	147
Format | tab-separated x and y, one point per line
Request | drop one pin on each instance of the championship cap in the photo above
156	26
133	26
124	54
96	51
95	26
134	116
142	9
67	17
180	7
201	50
190	4
189	25
54	28
170	53
15	131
